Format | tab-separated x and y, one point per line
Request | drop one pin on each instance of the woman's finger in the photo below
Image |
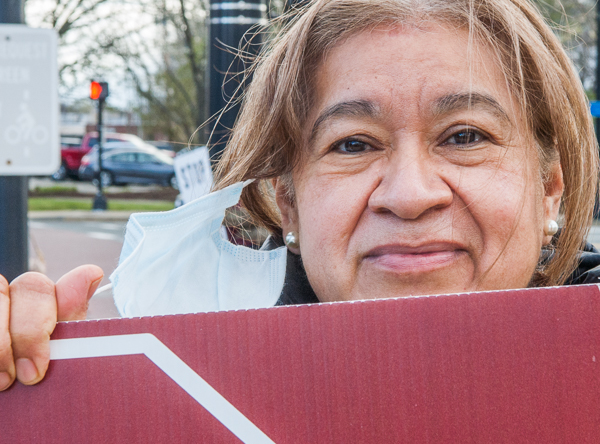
32	320
74	290
7	366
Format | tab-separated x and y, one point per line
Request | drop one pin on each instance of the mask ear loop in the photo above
103	289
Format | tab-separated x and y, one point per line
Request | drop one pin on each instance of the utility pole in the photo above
229	21
14	253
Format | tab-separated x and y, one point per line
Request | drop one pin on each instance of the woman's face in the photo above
419	176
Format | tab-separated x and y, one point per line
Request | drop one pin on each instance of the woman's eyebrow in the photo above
469	100
353	108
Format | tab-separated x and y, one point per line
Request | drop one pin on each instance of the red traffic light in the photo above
98	90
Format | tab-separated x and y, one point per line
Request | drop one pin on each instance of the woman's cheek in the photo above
495	195
329	208
504	206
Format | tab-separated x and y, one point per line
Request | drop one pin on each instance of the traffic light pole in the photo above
100	199
14	258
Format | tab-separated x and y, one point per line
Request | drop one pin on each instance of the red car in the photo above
71	152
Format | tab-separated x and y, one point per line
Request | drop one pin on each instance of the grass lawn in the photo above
57	204
55	189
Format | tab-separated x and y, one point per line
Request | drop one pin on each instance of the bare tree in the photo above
574	21
158	47
168	71
87	29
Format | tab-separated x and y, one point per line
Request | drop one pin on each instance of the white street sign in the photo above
29	111
193	172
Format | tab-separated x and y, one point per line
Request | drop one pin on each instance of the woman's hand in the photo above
29	310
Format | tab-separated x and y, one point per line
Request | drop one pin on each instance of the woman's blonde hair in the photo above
267	137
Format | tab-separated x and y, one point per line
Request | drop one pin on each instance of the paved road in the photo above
114	231
64	245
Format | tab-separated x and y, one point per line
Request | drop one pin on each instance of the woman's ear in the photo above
287	208
553	191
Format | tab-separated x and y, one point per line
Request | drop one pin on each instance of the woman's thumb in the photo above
74	290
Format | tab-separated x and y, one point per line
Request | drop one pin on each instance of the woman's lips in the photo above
404	259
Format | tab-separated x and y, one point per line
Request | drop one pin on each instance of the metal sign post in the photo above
14	258
29	140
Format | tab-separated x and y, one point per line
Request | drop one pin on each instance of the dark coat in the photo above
588	271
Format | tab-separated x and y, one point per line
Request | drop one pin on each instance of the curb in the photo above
82	215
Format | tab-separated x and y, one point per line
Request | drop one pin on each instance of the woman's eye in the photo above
465	137
352	146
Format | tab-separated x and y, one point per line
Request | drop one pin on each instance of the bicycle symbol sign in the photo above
25	129
29	111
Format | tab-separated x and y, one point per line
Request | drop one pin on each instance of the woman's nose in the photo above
410	187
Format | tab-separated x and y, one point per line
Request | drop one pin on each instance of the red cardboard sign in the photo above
498	367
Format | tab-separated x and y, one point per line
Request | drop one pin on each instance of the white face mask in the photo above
176	262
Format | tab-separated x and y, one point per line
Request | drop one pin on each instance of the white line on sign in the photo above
149	345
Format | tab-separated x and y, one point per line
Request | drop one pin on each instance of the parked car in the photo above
73	149
123	163
71	154
166	147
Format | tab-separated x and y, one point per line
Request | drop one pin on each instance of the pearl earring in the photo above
550	227
291	240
